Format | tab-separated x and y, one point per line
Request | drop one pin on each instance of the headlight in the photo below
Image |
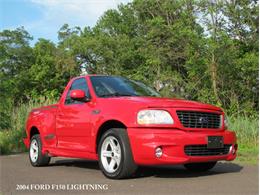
146	117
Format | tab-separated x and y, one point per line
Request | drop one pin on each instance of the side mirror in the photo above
79	95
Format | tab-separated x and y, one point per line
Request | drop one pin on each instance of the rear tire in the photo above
115	155
200	167
36	157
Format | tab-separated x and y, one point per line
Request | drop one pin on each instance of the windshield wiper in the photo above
116	94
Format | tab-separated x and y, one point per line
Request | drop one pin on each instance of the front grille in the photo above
202	150
194	119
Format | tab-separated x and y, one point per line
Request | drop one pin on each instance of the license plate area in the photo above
215	142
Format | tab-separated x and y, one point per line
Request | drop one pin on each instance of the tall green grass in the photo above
247	130
245	127
11	139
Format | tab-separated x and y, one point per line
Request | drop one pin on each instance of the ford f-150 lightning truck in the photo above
124	123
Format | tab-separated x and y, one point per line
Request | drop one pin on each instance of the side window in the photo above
77	84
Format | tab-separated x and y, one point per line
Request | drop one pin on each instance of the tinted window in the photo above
77	84
109	86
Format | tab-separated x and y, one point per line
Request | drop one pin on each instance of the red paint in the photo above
71	130
77	94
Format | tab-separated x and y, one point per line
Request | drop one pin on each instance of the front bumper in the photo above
144	141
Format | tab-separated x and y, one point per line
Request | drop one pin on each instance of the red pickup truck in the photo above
123	123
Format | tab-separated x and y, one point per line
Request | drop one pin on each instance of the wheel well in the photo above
34	131
106	126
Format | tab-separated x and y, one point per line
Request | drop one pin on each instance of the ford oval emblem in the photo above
203	120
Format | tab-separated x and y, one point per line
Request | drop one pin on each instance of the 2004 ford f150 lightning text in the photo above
123	124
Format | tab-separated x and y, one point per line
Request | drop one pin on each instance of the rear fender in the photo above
45	122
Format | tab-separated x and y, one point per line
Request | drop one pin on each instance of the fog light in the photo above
158	152
230	149
233	149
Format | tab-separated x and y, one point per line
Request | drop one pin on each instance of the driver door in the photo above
73	123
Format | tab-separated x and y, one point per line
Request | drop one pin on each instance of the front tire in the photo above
35	155
115	155
200	167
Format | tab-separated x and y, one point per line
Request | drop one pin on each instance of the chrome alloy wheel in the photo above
34	150
111	154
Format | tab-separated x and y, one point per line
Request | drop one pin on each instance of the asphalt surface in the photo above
75	176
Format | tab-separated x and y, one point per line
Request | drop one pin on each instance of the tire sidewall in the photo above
119	138
38	140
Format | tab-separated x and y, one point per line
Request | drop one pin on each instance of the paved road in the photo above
225	178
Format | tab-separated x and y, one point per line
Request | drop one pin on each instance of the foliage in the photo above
15	59
247	130
200	50
11	140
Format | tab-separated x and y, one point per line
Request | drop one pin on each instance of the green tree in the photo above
15	60
232	40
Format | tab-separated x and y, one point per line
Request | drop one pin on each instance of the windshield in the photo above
109	86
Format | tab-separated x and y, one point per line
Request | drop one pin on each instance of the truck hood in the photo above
155	102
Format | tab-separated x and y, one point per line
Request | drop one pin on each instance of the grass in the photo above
245	127
11	139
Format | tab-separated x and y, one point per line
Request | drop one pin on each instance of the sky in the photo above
44	18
